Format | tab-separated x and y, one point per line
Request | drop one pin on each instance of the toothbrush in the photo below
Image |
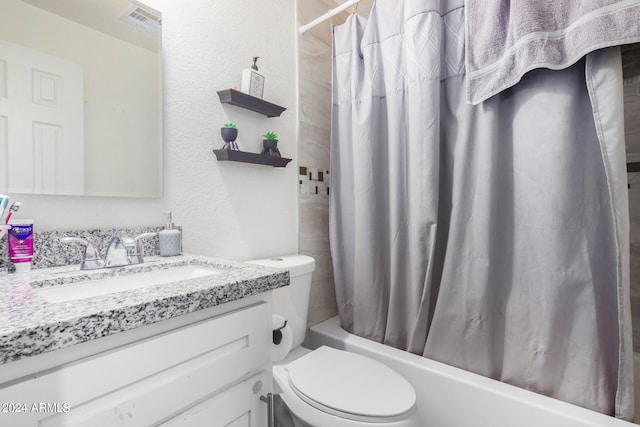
15	207
4	202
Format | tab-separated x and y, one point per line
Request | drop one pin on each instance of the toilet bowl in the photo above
328	387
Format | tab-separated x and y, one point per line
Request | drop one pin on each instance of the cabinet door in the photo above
149	381
239	406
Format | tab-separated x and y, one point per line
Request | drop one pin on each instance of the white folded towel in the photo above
505	39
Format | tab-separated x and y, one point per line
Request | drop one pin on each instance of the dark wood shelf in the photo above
245	157
243	100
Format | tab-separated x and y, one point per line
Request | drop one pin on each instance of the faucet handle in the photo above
128	243
145	236
91	259
139	246
131	247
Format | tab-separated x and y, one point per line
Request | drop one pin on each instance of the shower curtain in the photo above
491	237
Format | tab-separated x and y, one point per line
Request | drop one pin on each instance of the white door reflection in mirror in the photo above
43	116
122	89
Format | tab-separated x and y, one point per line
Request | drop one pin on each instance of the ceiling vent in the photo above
143	17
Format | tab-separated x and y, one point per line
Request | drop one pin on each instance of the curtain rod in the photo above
303	29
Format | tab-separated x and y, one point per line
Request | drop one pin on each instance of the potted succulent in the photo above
270	144
229	134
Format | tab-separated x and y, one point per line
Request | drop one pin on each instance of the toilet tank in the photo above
292	302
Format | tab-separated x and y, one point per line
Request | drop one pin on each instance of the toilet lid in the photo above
351	386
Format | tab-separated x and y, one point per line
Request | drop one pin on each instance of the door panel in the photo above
42	101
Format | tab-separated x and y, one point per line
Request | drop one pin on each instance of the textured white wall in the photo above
230	210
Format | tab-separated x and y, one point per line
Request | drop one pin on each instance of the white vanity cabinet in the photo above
209	372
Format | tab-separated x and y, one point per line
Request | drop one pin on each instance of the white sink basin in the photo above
109	285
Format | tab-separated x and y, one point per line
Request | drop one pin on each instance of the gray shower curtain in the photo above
491	237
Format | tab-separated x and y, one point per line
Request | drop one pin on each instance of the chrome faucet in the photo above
90	255
124	250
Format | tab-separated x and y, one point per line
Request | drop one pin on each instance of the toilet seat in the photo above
351	386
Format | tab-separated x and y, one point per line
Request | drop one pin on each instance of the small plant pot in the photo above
270	147
229	135
270	144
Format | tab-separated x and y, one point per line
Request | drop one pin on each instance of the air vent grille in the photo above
143	18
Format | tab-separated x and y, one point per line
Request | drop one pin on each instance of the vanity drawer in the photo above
153	379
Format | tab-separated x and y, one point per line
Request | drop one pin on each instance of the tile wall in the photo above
314	85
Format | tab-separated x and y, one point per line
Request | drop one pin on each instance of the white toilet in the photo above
328	387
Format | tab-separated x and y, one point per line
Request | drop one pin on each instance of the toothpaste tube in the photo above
21	243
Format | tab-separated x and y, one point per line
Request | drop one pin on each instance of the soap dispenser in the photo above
170	239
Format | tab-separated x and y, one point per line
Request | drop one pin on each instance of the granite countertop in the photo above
30	325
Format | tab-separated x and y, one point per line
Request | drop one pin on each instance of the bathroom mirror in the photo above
80	98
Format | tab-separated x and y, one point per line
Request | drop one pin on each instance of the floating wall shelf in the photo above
243	100
245	157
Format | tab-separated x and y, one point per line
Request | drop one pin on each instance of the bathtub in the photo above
452	397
